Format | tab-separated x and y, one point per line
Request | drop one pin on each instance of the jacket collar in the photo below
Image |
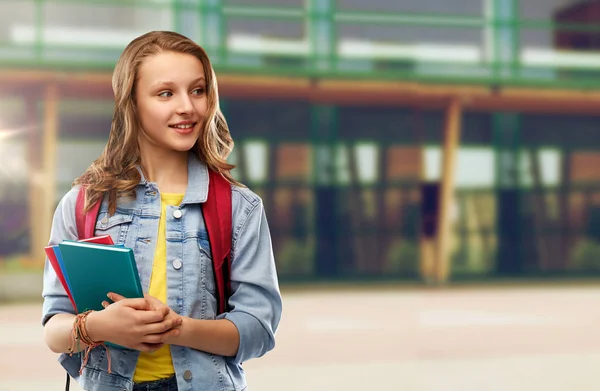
197	188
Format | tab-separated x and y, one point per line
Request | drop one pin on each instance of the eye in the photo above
165	94
198	91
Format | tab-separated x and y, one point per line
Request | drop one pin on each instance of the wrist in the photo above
93	326
177	338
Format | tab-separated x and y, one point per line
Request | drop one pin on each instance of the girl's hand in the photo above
156	304
132	323
159	305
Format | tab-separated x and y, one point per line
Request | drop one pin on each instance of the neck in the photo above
168	169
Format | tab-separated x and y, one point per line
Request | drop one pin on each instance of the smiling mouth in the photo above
186	126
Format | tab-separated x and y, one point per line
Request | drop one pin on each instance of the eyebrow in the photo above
167	83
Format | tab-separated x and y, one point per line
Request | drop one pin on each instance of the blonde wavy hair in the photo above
115	172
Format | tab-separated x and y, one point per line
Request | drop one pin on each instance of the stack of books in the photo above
89	269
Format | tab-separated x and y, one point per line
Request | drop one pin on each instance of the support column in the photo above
450	153
429	199
502	37
509	257
187	16
213	31
34	159
429	231
48	178
324	129
321	31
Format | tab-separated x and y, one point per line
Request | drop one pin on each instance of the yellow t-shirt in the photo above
158	365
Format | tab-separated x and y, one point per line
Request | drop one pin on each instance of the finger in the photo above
153	301
154	338
161	337
148	297
137	304
161	327
151	316
158	327
105	304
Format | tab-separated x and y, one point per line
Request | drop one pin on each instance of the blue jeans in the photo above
168	384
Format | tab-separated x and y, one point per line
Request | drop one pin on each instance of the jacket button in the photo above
187	375
104	220
177	264
177	214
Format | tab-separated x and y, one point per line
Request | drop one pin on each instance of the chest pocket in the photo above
116	226
204	244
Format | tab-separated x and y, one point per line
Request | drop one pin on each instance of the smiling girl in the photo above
152	179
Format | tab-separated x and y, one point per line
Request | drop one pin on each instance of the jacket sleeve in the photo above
255	301
63	227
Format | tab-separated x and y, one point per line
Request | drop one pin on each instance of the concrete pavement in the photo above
515	338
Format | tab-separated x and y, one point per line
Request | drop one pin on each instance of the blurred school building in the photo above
431	140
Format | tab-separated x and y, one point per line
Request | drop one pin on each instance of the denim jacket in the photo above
255	303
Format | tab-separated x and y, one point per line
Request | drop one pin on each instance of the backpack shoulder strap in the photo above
217	216
86	222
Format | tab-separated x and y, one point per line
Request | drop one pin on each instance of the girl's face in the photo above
171	101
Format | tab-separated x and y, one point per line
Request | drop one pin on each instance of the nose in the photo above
184	105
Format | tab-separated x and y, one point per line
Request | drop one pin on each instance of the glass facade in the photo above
343	184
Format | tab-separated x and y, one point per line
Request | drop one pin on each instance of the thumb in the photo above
115	296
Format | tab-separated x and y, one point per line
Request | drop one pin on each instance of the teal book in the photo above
93	270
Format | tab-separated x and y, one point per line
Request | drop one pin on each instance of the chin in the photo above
182	148
183	145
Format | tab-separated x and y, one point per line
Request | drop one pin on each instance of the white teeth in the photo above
182	126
